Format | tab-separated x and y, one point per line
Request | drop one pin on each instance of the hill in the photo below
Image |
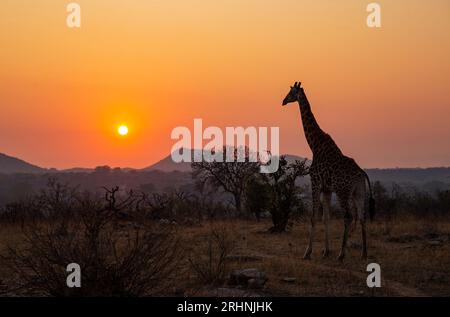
168	165
12	165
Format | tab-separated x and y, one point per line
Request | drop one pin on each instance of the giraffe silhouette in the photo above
331	171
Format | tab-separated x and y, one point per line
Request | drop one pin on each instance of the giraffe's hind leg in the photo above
326	201
348	218
308	251
364	239
358	201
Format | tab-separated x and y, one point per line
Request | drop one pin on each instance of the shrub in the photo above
210	264
116	258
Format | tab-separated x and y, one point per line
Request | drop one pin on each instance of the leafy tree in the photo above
231	177
284	193
257	196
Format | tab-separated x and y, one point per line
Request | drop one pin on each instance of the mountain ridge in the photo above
12	165
168	165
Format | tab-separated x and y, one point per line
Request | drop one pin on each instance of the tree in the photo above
105	169
257	196
231	177
284	193
387	203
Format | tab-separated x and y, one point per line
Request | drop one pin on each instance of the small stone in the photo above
252	278
256	283
289	279
435	243
164	221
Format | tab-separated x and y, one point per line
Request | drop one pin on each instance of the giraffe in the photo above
331	171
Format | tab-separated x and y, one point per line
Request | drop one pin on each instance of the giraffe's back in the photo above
337	173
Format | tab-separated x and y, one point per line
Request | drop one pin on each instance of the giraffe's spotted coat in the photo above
331	172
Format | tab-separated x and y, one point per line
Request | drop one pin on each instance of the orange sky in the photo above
383	94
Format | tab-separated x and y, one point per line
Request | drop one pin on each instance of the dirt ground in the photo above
414	256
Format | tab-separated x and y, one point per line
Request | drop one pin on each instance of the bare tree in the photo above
130	259
231	177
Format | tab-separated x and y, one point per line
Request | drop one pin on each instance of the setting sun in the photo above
123	130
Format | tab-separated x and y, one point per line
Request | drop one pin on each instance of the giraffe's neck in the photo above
313	132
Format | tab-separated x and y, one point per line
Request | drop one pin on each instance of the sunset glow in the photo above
382	93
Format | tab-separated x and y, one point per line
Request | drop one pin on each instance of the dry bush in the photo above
210	263
116	258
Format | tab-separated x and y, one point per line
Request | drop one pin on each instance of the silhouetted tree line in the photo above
398	201
220	190
276	193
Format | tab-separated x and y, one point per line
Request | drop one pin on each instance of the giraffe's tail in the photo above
371	199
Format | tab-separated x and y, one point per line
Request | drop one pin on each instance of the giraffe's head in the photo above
295	94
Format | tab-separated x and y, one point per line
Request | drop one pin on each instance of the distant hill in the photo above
168	165
410	175
11	165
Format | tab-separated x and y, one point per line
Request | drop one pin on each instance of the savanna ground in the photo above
414	255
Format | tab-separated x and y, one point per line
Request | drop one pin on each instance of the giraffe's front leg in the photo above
348	218
315	207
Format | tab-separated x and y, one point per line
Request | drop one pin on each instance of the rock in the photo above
256	283
289	279
164	221
434	243
251	278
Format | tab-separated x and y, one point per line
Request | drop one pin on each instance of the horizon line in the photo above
60	169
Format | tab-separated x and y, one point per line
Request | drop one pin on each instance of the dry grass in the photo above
410	266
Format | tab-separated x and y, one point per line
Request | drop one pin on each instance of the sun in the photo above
122	130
